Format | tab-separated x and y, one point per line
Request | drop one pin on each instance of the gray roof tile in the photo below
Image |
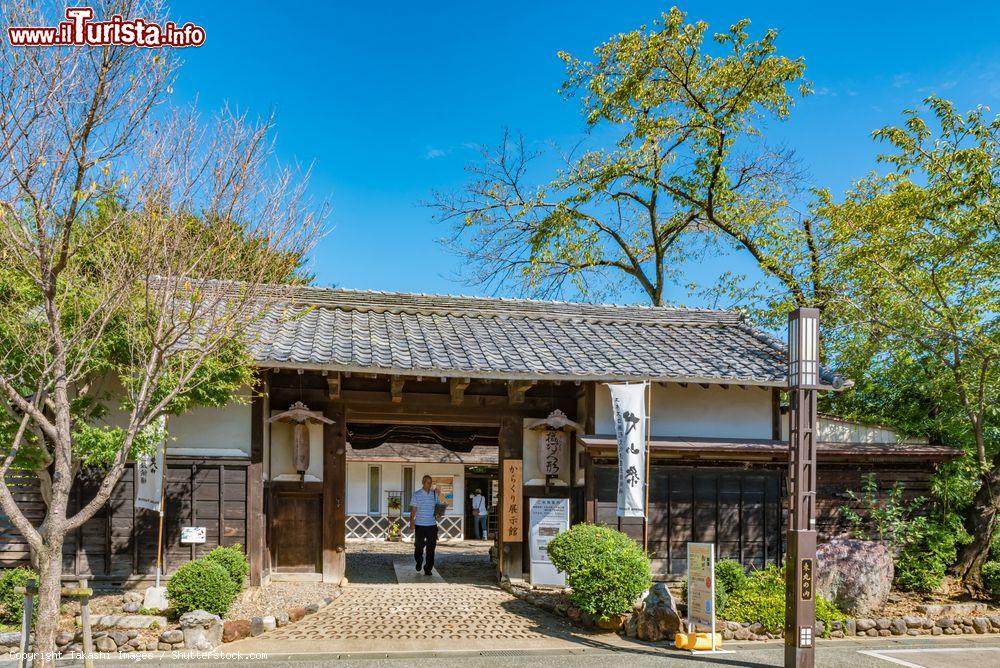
513	338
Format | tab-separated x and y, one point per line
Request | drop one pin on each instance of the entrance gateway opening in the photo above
348	513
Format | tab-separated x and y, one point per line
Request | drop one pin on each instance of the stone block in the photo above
235	629
260	625
105	644
172	636
295	614
897	626
202	630
155	598
129	622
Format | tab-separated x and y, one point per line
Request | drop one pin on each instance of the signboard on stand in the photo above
445	485
547	518
701	587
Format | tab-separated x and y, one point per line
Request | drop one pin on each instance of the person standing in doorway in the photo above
479	515
423	524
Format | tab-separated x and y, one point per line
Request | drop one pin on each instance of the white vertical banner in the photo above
628	405
149	473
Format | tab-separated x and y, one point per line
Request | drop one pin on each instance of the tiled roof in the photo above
708	448
350	330
481	455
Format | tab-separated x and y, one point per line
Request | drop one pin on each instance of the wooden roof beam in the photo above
333	385
396	388
516	390
457	387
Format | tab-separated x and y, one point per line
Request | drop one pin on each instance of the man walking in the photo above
423	524
479	515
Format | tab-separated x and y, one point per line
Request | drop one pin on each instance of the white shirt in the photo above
479	503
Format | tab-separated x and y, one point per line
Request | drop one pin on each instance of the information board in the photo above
701	586
547	519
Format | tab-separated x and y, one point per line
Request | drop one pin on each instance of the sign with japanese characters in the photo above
552	451
149	475
511	510
546	519
701	584
806	580
628	405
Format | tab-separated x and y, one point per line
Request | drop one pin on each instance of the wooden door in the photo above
297	532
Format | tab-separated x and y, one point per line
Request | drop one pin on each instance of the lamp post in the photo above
800	563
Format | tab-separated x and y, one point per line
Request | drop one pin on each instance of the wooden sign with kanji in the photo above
512	499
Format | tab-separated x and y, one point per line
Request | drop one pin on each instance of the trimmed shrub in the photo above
606	569
762	599
991	579
234	561
201	585
729	576
12	603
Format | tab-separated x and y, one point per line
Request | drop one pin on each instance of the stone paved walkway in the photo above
465	612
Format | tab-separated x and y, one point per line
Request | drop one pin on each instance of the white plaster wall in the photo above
836	430
695	411
392	480
202	432
215	431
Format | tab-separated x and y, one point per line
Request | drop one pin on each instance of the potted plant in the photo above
395	503
393	534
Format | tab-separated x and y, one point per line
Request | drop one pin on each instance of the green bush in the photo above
761	599
991	579
582	543
606	569
201	585
12	603
929	548
234	561
729	577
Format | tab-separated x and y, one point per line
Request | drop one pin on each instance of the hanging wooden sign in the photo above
512	499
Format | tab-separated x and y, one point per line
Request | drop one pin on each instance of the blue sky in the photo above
386	99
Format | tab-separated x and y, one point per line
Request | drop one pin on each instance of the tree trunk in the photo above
49	585
980	522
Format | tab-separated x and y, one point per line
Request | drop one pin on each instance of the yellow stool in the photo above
697	641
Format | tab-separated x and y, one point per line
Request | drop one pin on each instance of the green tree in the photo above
688	167
917	256
135	249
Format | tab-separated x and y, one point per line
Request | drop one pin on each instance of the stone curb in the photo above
115	640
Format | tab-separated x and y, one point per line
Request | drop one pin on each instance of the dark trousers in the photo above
425	540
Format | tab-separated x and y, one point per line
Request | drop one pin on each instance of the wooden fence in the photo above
119	542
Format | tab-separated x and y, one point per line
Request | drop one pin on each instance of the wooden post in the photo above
649	454
163	511
510	559
88	640
29	591
255	485
334	497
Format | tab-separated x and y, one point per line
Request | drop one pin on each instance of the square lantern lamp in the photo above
803	348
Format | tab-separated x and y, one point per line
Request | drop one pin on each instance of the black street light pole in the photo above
800	563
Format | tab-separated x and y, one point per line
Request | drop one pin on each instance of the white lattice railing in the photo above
375	527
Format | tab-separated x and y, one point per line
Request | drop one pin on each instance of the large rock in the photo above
129	622
656	615
155	598
235	629
202	630
856	575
